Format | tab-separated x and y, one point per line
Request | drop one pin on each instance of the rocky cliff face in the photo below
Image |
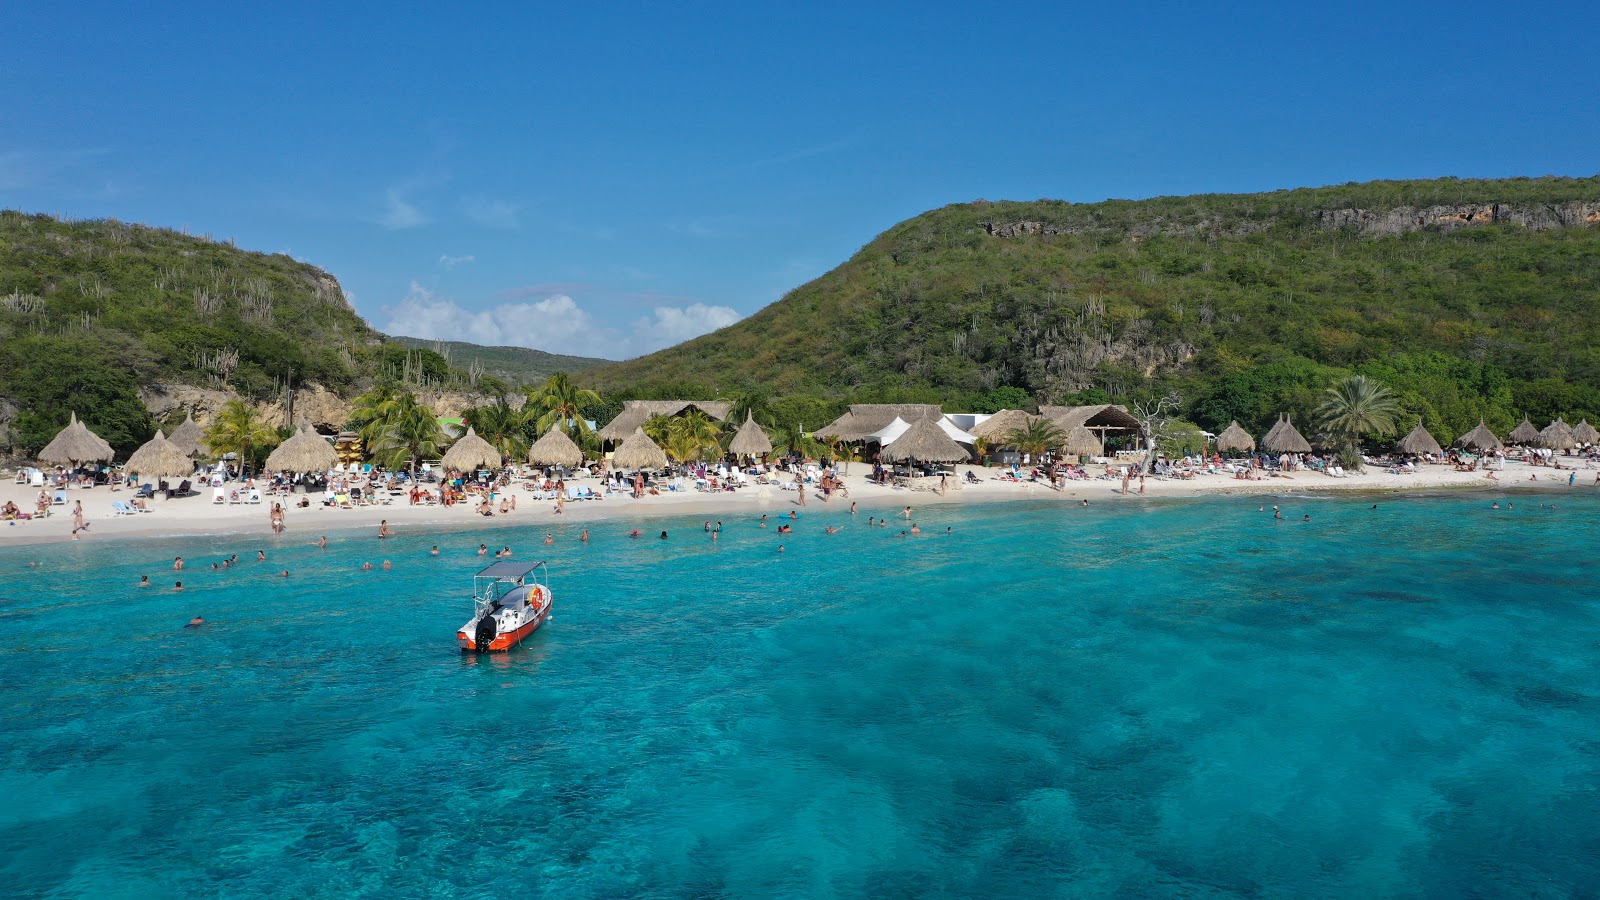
326	411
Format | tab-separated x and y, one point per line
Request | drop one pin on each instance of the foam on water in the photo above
1183	698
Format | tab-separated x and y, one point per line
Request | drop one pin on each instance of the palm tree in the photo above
405	432
791	439
681	445
1036	437
500	425
1353	407
559	403
753	402
367	415
238	429
700	429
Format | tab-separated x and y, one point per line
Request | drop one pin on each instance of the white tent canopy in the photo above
892	432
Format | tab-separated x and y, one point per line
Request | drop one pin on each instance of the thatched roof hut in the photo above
1285	438
637	412
639	452
1234	439
76	444
1420	442
1524	433
1584	433
1557	436
1099	418
1480	438
305	452
995	428
188	437
924	442
555	449
1081	441
470	453
160	458
866	419
750	440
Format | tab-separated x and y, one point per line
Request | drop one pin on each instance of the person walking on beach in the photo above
944	482
800	486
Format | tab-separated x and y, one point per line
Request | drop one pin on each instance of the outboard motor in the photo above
488	629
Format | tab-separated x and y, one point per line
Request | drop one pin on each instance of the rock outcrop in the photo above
325	410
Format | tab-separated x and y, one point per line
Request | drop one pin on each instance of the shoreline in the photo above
196	516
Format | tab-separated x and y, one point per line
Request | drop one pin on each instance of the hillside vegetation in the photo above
513	365
1468	298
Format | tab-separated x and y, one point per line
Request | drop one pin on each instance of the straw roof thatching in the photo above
1557	436
160	458
76	444
1480	438
996	427
639	452
1419	442
305	452
751	440
924	442
470	453
637	412
1103	416
866	419
1082	442
1235	439
1524	433
555	449
188	437
1584	433
1285	438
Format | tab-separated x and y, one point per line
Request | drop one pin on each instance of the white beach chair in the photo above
255	496
219	496
120	508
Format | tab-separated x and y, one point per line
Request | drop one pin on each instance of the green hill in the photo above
513	365
1468	297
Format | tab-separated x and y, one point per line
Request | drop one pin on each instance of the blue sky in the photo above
608	179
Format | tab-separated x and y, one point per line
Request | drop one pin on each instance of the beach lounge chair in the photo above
254	496
59	498
121	508
219	496
146	492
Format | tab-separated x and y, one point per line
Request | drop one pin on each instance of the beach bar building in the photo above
637	412
1102	420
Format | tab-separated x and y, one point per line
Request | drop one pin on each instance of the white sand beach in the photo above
198	515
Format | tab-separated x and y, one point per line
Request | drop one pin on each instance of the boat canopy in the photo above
509	569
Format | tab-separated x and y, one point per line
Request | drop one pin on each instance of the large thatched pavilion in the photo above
76	444
1104	420
863	420
637	412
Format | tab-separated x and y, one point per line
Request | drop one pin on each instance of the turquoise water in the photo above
1179	699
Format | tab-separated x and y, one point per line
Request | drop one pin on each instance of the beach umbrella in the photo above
1420	442
639	452
924	442
1234	439
1081	441
1524	433
306	452
555	449
188	436
76	444
1584	433
160	458
750	440
470	453
1557	436
1285	438
1480	438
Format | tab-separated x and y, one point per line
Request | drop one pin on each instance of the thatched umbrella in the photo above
1557	436
555	449
188	436
1080	441
470	453
639	452
76	444
306	452
996	427
1420	442
924	442
1285	438
1524	433
1480	438
750	440
1584	433
160	458
1235	439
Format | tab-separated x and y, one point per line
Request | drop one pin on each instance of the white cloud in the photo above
401	214
490	212
556	324
450	262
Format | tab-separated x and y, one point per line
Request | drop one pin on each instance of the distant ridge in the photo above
515	365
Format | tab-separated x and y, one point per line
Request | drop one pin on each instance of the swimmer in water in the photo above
178	586
549	538
434	551
366	567
483	549
144	581
284	574
195	622
323	542
585	536
177	564
387	564
261	556
915	529
634	533
663	535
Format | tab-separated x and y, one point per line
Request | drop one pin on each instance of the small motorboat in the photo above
510	600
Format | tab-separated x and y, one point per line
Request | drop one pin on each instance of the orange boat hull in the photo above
509	639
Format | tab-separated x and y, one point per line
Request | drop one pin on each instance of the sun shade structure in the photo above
751	440
1234	439
188	436
866	419
1524	433
637	412
470	453
1420	442
1480	438
639	452
1584	433
996	427
555	449
76	444
1082	442
1557	436
1285	438
160	458
924	442
305	452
